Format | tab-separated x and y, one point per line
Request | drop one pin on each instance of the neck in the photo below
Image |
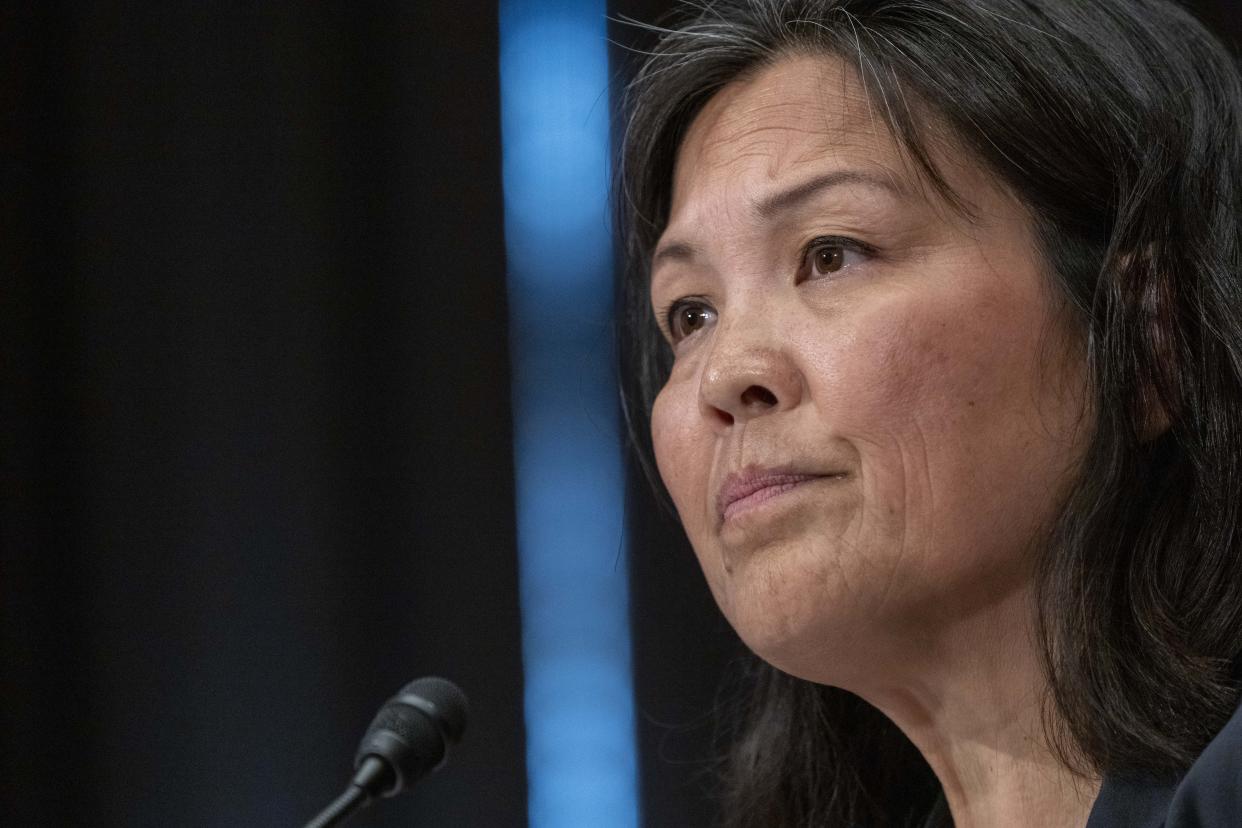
970	702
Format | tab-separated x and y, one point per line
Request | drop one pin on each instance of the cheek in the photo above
961	446
894	366
684	455
679	452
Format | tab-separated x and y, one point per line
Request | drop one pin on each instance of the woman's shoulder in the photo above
1209	795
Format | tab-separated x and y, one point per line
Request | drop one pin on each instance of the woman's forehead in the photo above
796	113
801	118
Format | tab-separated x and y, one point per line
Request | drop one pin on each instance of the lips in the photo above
754	485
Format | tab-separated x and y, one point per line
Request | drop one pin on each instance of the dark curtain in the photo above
256	439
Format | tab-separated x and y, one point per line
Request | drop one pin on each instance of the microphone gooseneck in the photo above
408	739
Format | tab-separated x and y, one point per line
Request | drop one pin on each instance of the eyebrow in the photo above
769	207
777	203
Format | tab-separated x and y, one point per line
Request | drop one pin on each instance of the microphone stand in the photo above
369	778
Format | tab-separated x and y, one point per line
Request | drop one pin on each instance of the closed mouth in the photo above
748	489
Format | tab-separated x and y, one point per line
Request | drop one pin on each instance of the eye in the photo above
687	316
828	256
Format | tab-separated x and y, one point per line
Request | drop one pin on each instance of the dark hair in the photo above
1119	124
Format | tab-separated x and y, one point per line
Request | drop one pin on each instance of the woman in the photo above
934	307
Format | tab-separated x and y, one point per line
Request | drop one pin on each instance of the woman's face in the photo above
875	402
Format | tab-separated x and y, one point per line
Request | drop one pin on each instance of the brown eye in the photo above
686	317
827	258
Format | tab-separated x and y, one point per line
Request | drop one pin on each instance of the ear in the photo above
1158	391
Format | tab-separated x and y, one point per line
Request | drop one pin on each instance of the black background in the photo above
254	421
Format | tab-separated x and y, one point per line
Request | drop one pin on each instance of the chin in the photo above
805	644
794	608
803	660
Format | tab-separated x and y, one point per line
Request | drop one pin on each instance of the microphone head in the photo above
440	699
412	731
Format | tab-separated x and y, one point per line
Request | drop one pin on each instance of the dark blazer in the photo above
1209	795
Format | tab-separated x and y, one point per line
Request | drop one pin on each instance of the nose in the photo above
745	378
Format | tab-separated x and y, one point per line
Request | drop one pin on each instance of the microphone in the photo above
408	739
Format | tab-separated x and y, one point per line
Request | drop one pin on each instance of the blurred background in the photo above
288	319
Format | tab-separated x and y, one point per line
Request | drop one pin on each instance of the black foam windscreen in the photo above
442	700
412	731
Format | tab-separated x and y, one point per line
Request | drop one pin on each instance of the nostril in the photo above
757	396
